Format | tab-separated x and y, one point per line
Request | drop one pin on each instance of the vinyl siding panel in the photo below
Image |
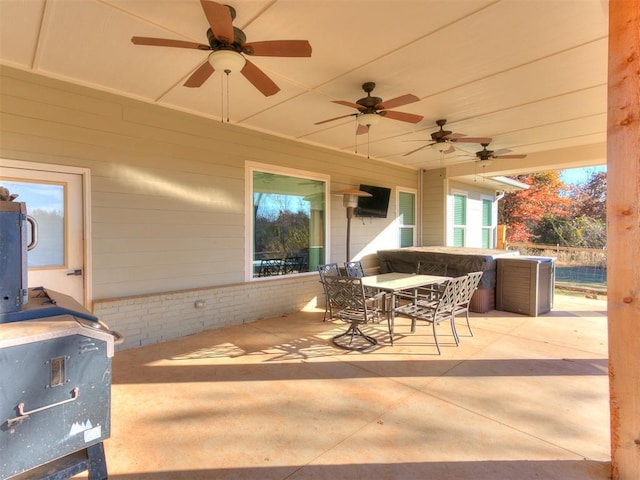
433	208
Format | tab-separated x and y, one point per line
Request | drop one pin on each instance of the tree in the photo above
590	197
582	231
521	211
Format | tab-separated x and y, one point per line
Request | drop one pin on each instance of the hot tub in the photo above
459	261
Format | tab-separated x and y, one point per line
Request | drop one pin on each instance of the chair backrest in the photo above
347	298
467	288
427	268
329	269
448	297
354	269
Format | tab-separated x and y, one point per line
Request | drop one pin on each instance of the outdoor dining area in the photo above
275	399
426	296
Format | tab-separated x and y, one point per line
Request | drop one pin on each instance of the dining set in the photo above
427	296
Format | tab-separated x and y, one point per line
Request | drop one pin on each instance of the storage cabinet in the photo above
525	285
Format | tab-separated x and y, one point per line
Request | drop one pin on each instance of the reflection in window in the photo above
45	203
288	224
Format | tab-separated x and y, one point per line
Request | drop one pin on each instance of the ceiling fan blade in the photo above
451	136
471	139
362	129
509	156
259	79
501	151
402	116
166	42
197	78
335	118
278	48
348	104
219	18
398	101
417	149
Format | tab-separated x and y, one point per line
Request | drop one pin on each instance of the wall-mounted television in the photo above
376	205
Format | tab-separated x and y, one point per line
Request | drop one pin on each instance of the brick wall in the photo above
147	319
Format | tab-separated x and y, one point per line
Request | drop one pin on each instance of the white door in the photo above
55	200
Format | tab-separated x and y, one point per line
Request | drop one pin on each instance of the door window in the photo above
45	203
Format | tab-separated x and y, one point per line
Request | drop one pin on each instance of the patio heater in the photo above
350	201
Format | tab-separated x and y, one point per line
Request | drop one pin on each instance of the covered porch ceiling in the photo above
530	75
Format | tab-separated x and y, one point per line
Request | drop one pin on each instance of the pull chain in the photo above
221	99
356	134
224	86
228	103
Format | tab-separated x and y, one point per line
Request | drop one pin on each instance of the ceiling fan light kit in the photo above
368	119
227	61
440	146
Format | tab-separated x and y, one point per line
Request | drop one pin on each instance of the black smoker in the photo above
55	371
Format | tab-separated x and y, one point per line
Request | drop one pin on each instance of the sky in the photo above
572	176
40	196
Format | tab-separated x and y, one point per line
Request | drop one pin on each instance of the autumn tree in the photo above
589	198
521	211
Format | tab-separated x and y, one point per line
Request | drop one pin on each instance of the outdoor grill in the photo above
55	372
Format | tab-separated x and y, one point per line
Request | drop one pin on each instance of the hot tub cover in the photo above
459	260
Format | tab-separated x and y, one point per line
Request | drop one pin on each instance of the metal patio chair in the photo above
349	303
331	269
354	269
464	296
428	268
422	307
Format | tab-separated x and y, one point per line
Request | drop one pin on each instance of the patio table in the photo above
395	282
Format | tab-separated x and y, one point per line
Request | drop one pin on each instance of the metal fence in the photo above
576	268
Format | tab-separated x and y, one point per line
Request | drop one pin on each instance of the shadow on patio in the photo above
273	399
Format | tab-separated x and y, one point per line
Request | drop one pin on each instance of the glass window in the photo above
288	224
459	219
407	218
45	203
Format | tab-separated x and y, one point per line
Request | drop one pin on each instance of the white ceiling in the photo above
531	74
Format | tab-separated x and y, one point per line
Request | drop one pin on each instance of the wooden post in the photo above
623	234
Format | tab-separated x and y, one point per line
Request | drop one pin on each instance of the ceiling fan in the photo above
229	49
486	155
371	109
442	140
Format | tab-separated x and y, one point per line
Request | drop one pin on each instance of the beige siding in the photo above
168	187
433	208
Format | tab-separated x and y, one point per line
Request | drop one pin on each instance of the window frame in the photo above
455	226
250	168
414	226
491	228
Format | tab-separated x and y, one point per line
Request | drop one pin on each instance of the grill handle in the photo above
34	233
22	414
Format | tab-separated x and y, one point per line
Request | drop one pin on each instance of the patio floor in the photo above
526	398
